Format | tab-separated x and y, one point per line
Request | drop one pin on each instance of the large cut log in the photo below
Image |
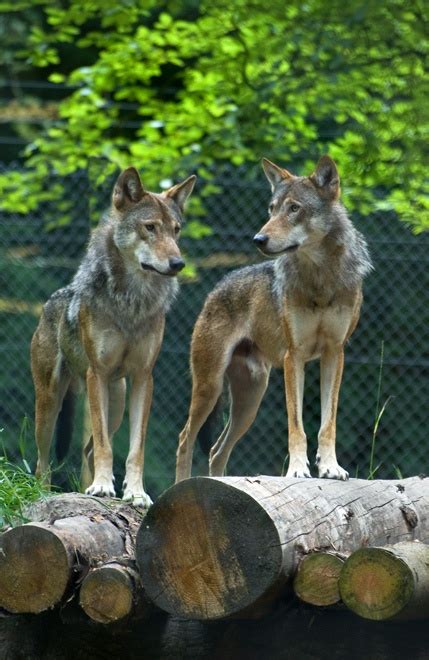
386	583
42	560
209	548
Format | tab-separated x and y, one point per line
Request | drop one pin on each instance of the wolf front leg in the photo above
98	396
140	404
331	371
294	384
117	391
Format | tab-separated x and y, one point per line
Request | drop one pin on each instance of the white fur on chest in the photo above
117	357
315	330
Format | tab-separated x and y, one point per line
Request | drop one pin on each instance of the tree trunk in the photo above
390	582
40	561
209	548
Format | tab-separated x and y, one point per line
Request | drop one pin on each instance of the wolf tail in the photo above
208	432
64	430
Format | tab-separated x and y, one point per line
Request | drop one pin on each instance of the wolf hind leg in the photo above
87	462
211	351
248	380
50	393
204	397
117	392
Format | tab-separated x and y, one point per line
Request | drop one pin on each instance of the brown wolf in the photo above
108	324
283	313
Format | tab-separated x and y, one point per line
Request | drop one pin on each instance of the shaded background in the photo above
209	86
387	358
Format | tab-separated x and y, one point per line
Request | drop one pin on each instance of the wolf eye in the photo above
294	208
150	227
271	208
177	228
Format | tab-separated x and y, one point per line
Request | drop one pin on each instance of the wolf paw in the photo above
332	471
101	489
299	470
138	497
136	494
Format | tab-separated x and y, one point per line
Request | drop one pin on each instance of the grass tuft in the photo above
18	487
379	412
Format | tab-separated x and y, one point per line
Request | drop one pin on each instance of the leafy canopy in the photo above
174	87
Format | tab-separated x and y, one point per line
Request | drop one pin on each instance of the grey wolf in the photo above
303	305
108	324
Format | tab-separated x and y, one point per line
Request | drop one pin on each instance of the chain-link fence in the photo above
387	359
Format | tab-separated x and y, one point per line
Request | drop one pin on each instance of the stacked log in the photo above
213	547
387	583
220	551
113	592
42	562
316	581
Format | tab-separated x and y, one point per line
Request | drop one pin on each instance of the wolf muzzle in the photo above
176	264
260	240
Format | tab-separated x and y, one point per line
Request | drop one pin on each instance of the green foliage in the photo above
18	487
379	412
176	87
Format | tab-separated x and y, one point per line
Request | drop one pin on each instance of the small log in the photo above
211	547
112	592
41	561
389	582
316	580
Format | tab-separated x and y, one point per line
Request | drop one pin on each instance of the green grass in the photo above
379	412
18	487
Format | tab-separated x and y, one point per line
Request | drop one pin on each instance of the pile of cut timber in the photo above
211	548
230	550
74	546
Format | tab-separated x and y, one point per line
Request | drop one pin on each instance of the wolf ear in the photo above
274	173
181	191
128	189
326	178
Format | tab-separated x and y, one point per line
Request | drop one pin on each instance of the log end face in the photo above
316	580
34	569
106	595
207	550
375	584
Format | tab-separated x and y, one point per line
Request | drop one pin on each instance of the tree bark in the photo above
209	548
389	582
42	560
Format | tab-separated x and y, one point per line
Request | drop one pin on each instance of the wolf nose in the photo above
260	240
176	264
